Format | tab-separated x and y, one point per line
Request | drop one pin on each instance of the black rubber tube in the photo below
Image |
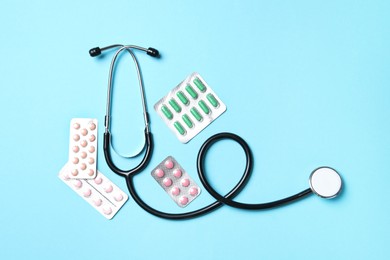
228	198
229	201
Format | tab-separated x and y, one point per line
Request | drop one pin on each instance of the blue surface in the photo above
306	84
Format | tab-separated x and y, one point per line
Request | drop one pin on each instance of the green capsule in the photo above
179	128
200	85
192	92
196	114
182	98
175	105
187	120
167	112
212	100
204	107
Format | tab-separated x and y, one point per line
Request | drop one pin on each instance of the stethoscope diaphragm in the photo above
325	182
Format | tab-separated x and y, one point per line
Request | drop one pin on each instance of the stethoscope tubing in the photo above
220	200
149	145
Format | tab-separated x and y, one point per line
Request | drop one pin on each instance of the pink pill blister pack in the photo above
82	148
100	192
176	182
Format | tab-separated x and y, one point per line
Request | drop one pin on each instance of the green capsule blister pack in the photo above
190	107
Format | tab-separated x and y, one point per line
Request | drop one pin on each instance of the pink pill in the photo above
159	173
98	180
108	188
83	166
167	182
98	202
91	149
185	182
118	197
168	164
84	132
107	210
76	149
194	191
92	138
177	173
91	172
83	155
91	160
76	125
92	126
83	143
175	191
78	184
183	200
74	172
76	137
87	193
75	160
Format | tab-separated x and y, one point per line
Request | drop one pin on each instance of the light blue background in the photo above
306	83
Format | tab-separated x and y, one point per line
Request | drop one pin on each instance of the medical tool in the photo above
148	145
324	181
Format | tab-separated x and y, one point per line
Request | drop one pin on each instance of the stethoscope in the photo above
324	181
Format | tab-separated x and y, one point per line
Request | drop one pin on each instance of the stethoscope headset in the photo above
324	181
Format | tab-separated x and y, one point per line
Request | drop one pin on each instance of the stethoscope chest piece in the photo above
325	182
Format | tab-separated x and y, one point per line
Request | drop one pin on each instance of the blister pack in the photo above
100	192
190	107
176	182
83	148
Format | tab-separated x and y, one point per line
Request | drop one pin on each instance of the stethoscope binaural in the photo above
324	181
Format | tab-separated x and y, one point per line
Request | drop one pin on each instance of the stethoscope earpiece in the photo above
325	182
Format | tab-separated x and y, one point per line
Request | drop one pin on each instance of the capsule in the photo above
192	92
187	120
182	98
167	112
213	101
179	128
175	105
204	107
196	114
200	85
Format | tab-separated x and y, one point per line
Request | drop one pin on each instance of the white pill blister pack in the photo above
190	107
100	192
176	182
83	148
